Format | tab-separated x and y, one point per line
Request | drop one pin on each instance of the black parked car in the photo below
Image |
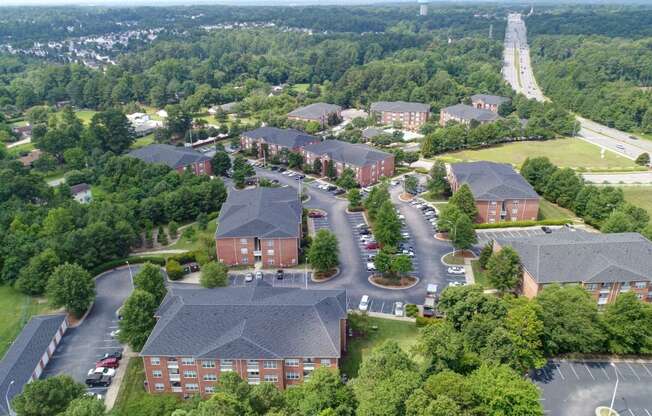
281	169
274	168
546	230
279	274
98	380
338	192
115	354
331	188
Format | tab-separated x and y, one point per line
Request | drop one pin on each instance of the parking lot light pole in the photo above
613	397
130	274
11	411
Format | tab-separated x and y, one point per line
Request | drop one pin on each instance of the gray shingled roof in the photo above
315	111
585	257
490	99
290	138
351	154
467	112
172	156
23	356
400	107
371	132
80	187
491	181
260	212
259	321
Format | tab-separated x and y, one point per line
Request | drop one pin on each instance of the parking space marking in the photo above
574	372
620	373
646	369
589	371
648	413
633	371
630	412
560	372
605	373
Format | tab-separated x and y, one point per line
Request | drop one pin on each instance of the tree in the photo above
150	279
137	318
562	187
537	171
354	197
643	159
173	269
324	390
317	166
173	229
485	254
571	323
33	279
410	184
161	237
221	163
111	131
628	325
442	346
347	179
618	222
178	120
387	227
499	390
295	160
448	218
47	397
214	274
377	196
85	406
330	170
463	199
463	236
323	251
504	270
72	287
400	265
383	261
202	221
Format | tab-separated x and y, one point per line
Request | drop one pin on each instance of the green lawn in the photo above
300	87
194	243
404	333
16	309
451	258
85	115
641	196
23	148
479	275
568	152
143	141
550	211
21	123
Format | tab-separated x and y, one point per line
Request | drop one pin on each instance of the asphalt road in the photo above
616	178
82	346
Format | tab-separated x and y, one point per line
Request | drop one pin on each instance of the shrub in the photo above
184	258
422	321
112	264
411	310
174	270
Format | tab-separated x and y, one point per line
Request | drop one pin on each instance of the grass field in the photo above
195	242
404	333
85	115
568	152
143	141
479	275
550	211
16	309
20	123
300	87
641	196
23	148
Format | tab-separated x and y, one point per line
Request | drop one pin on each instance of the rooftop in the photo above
467	112
579	256
283	137
259	321
25	353
172	156
315	111
490	99
260	212
491	181
400	107
351	154
79	188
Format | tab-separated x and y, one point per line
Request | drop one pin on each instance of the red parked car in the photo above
108	363
316	214
372	245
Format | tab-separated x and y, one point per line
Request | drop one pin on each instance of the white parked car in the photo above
456	270
405	235
259	275
249	277
408	253
364	303
371	267
398	309
455	284
102	370
401	216
115	333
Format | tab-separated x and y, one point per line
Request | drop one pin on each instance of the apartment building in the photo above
277	335
500	193
180	159
488	102
276	140
410	115
369	164
260	225
603	264
466	114
319	112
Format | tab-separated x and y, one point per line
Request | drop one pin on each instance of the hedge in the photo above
411	310
184	258
510	224
112	264
423	321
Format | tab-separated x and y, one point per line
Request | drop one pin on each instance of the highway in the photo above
517	71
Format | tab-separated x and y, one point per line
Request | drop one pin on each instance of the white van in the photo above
364	303
431	290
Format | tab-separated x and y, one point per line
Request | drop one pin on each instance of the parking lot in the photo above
321	222
484	236
291	278
576	388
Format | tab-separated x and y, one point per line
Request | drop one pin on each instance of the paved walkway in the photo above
616	178
114	388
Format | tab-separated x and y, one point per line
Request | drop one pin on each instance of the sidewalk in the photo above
114	388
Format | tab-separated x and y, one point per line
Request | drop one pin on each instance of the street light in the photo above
131	276
11	411
454	230
613	398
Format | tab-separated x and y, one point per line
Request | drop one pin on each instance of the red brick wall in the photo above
481	104
410	120
286	251
228	251
524	210
365	175
201	168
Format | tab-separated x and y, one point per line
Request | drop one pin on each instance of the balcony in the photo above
258	253
175	377
176	390
173	364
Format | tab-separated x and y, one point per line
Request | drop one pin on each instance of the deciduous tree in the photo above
137	318
72	287
504	270
463	199
48	396
323	251
150	279
214	274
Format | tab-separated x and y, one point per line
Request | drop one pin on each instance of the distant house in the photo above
228	108
28	355
488	102
178	158
500	193
29	159
465	114
24	132
143	124
276	140
369	164
319	112
603	264
410	115
264	334
260	225
81	193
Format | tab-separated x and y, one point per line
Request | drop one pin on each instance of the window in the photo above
606	285
292	362
192	387
210	377
188	361
270	261
226	365
270	378
157	374
209	389
640	285
269	364
591	286
270	243
245	260
493	202
154	360
270	252
326	362
189	374
243	241
293	376
208	364
159	386
244	250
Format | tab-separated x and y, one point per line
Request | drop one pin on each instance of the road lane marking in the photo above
590	373
631	413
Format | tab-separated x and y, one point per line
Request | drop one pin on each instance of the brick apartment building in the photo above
488	102
178	158
465	114
260	225
277	335
319	112
276	140
369	164
603	264
410	115
500	193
